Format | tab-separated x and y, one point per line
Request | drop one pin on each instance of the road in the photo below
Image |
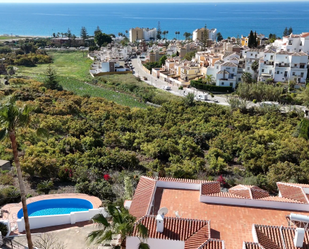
151	80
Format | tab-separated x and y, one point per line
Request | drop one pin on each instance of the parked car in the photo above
202	97
167	88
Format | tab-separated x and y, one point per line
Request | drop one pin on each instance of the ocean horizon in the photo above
230	19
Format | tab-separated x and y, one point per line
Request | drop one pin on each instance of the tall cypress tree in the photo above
251	40
255	40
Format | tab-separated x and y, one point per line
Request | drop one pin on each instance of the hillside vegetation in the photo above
101	147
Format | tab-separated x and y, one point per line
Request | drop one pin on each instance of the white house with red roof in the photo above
195	204
293	43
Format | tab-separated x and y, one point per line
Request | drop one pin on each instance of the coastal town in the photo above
157	177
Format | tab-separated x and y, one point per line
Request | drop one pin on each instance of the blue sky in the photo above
140	1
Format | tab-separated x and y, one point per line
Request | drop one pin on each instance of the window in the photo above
288	50
293	73
251	54
222	83
233	69
281	72
271	57
277	72
248	68
262	70
231	84
302	75
217	67
295	65
270	71
299	50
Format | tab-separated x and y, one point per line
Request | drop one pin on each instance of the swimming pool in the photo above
56	207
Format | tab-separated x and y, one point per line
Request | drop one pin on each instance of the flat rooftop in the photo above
233	224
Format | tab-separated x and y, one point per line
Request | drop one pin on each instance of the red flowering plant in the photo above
106	177
221	180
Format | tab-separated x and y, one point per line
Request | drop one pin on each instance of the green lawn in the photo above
73	71
10	38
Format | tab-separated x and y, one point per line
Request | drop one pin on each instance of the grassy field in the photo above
73	71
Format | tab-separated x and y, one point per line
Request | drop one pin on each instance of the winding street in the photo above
151	80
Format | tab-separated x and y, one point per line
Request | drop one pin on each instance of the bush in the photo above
180	88
199	85
3	229
254	101
9	195
45	187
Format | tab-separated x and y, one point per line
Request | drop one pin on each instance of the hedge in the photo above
199	85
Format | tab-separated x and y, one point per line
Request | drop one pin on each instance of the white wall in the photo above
133	242
105	67
254	203
55	220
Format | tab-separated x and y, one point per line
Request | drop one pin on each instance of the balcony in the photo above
269	63
282	64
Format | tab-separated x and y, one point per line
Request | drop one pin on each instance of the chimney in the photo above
160	223
299	237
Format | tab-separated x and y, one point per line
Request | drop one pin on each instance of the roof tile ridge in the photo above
149	178
210	240
282	237
304	193
140	219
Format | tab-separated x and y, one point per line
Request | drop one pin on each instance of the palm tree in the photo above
122	224
209	79
11	117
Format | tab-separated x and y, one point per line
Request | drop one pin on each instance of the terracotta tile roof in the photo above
249	191
278	237
304	34
142	197
252	245
229	64
210	188
212	244
193	232
292	191
280	199
226	195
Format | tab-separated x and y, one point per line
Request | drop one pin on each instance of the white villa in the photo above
293	43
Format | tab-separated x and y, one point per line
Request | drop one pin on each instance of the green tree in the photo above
12	117
205	37
102	39
98	30
51	81
187	35
290	31
162	60
83	34
252	40
209	79
246	77
122	223
219	37
285	32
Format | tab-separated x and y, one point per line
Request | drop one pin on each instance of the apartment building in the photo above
199	33
137	34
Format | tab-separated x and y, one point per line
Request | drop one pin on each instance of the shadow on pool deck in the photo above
55	228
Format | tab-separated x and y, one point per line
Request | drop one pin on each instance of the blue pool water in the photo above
56	207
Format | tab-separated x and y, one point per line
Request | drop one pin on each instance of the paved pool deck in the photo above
10	211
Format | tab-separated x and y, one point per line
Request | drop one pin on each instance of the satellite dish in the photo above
163	211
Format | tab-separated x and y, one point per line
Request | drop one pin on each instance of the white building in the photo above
283	66
224	73
293	43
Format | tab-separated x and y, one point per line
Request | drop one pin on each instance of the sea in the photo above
230	19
